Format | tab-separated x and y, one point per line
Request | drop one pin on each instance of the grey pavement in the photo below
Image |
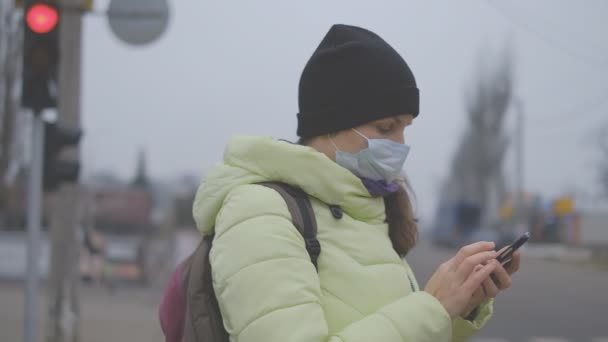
549	301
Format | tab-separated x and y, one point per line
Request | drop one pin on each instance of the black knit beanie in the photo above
354	77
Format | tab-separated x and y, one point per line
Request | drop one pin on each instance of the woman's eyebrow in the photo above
401	120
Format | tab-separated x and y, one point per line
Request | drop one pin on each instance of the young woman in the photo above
357	96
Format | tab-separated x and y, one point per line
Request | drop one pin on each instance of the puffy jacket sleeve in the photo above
268	289
464	329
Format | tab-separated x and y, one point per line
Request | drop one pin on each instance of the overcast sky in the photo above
232	67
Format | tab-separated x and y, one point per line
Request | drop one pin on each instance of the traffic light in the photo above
40	55
55	169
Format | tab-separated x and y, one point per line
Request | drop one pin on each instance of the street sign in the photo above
563	206
137	22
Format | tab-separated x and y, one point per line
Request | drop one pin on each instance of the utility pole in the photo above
32	298
40	56
63	288
519	198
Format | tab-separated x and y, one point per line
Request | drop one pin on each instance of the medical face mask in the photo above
383	159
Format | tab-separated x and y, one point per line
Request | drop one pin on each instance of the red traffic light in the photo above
42	18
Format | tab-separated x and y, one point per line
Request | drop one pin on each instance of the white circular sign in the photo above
138	22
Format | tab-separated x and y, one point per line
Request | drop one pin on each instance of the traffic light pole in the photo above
32	312
63	288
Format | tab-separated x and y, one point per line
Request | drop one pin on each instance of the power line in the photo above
572	52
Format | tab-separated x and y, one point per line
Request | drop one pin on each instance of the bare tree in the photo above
477	167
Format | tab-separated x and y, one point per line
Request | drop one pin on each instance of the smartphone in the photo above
507	255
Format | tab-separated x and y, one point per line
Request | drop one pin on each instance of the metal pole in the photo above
34	197
520	161
63	315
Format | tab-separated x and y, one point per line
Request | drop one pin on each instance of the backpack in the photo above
202	320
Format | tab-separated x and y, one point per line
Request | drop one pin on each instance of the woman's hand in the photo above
489	288
456	280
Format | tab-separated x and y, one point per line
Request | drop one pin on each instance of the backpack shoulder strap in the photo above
302	215
202	317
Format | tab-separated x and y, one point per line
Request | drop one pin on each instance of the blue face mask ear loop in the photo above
333	143
356	131
361	134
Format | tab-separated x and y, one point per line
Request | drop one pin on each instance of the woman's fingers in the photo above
503	277
513	265
470	250
490	288
475	279
469	264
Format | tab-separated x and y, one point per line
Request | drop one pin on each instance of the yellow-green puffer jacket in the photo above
268	289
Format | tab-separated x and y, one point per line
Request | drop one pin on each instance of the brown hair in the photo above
402	225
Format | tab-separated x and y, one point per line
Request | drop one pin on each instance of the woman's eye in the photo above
385	129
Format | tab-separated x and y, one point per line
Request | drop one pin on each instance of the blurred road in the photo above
128	314
549	301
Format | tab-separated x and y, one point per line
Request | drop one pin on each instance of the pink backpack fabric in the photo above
172	309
